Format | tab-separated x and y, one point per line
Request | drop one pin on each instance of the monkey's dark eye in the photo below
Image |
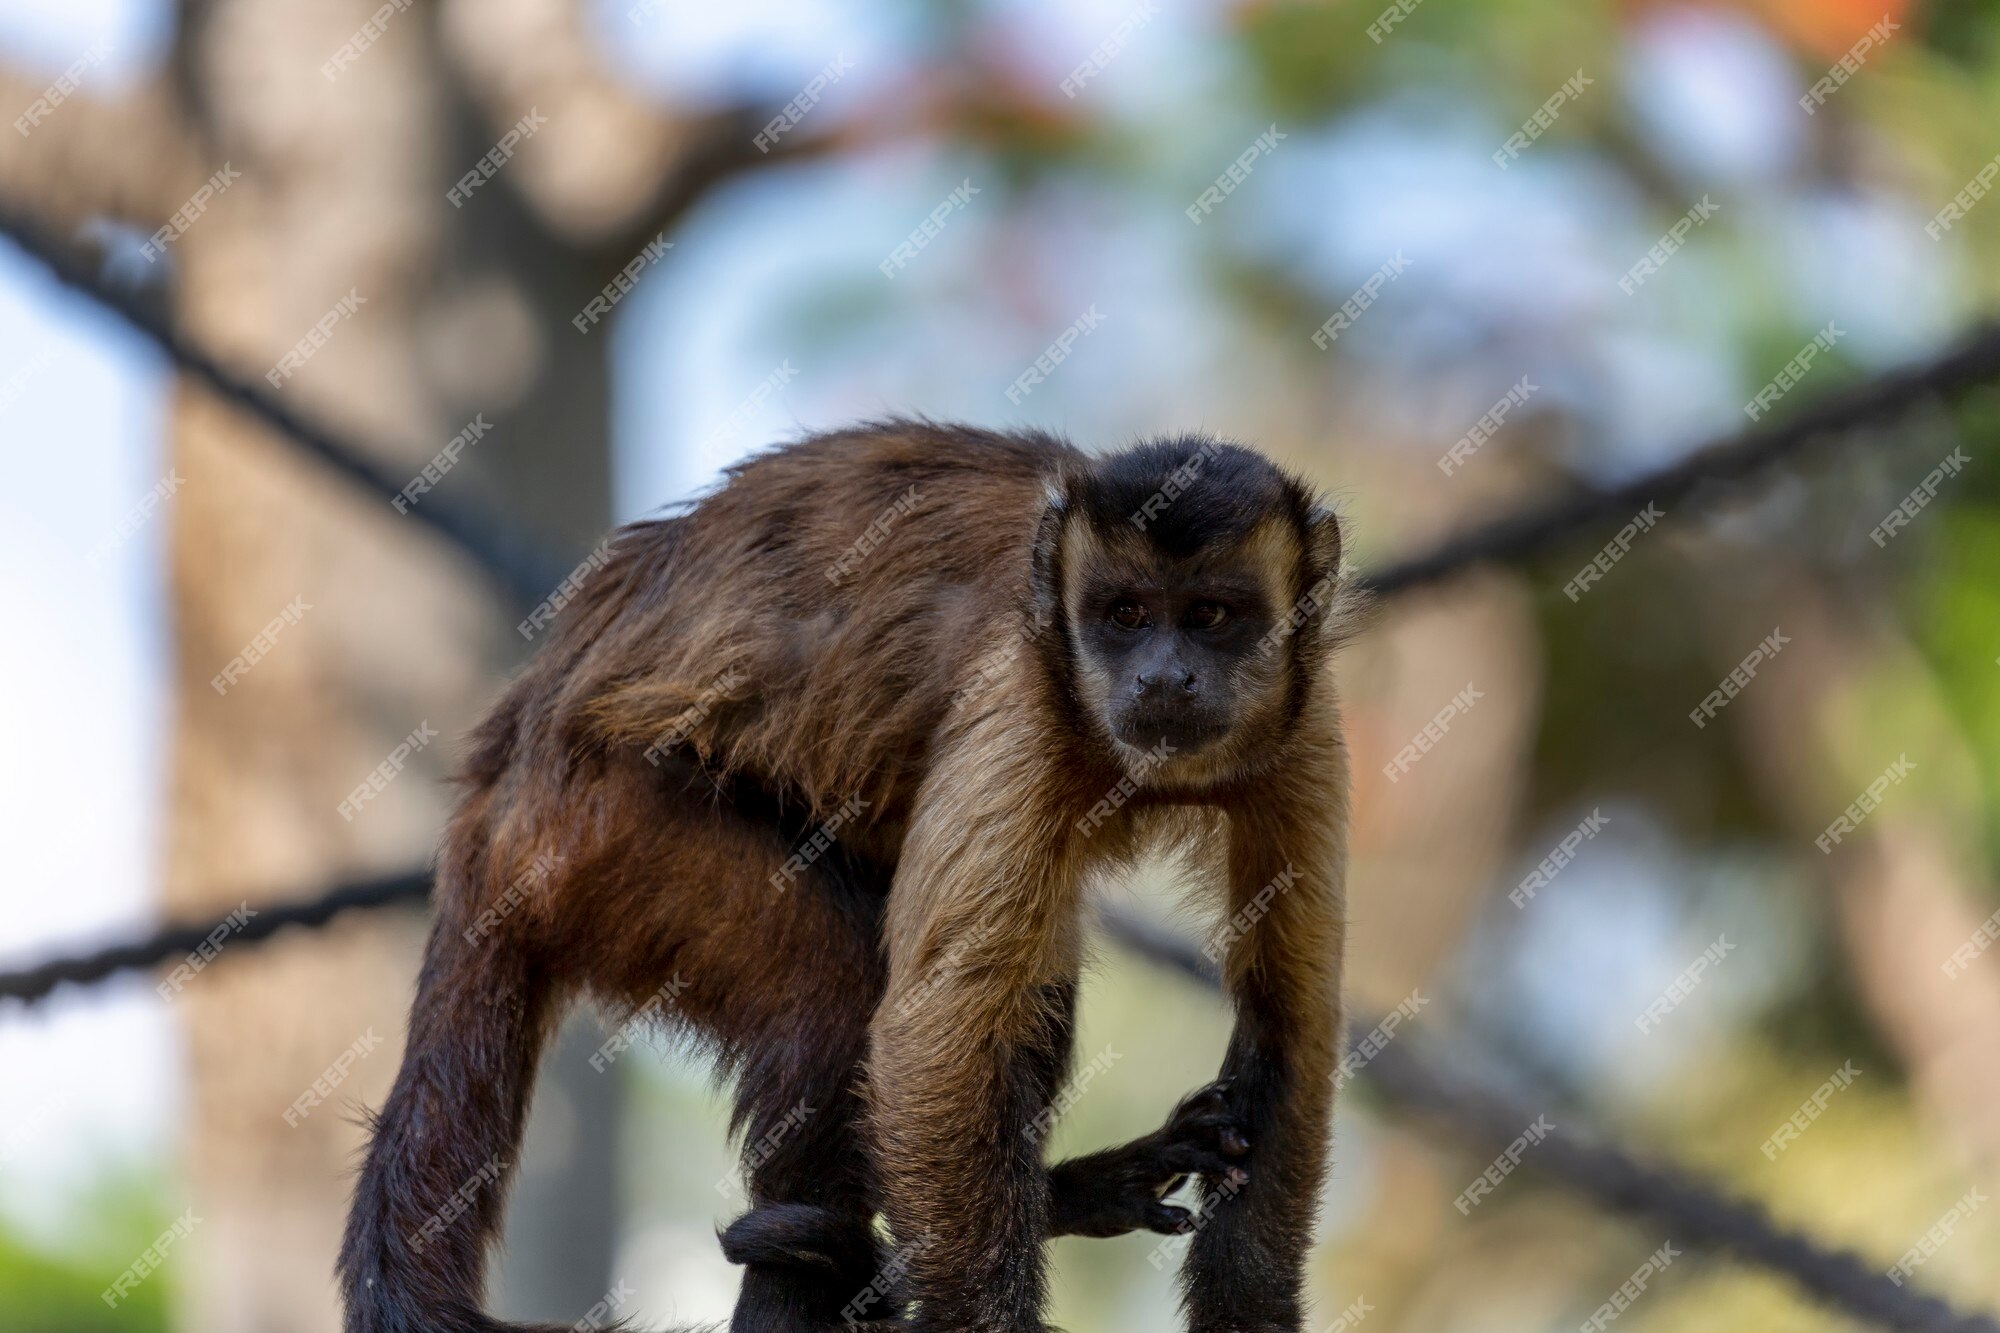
1207	615
1128	614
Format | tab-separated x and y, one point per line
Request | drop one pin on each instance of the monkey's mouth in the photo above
1165	734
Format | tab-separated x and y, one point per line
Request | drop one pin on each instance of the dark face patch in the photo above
1171	564
1170	651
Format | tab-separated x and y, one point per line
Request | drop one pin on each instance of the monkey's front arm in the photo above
1245	1269
970	1043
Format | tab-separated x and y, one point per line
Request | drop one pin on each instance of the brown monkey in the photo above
835	751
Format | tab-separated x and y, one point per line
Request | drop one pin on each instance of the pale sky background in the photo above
81	415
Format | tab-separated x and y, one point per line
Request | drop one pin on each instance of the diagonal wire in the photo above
1692	1210
525	571
1972	361
30	985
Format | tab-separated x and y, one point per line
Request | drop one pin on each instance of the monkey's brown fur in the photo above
736	675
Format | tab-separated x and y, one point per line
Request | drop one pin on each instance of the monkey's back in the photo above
806	625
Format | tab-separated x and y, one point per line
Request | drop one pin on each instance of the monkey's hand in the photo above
1120	1189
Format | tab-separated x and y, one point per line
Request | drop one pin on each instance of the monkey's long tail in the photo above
429	1200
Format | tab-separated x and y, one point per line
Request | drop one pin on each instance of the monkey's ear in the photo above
1045	577
1322	543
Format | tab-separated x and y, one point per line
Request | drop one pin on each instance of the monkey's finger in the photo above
1209	1094
1168	1220
1197	1159
1221	1125
1208	1112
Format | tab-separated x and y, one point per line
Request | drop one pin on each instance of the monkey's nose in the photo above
1153	684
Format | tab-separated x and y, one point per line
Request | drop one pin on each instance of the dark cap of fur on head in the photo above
1183	496
1187	492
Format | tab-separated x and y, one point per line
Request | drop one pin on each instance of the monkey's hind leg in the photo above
782	973
428	1202
808	1245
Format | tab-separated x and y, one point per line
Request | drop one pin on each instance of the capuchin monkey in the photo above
819	771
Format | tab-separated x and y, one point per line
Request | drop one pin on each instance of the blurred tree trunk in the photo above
342	196
325	210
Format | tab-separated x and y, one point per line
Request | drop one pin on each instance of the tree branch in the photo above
599	145
132	158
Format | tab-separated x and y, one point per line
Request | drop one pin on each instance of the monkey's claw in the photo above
1207	1117
1120	1190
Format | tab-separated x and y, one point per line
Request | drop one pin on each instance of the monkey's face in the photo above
1172	654
1172	565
